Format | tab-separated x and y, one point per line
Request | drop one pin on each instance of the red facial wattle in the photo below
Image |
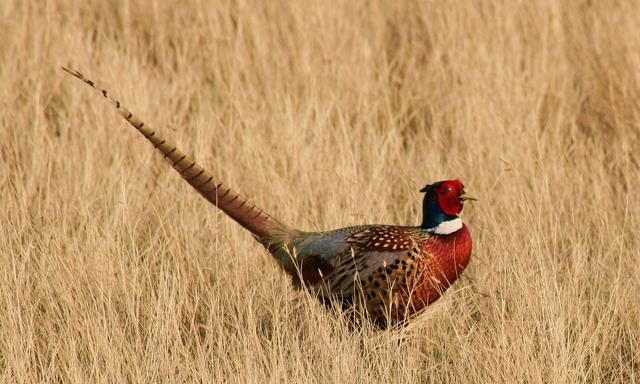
449	193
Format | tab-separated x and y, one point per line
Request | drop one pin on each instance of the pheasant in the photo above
384	273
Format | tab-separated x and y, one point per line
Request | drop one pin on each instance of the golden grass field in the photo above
325	114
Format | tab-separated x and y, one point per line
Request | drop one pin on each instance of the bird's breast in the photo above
446	257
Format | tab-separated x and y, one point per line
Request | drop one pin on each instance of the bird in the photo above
386	274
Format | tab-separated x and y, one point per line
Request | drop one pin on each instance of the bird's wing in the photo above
340	261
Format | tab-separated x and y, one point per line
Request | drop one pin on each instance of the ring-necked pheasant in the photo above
382	272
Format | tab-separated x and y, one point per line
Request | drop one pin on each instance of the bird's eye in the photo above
447	190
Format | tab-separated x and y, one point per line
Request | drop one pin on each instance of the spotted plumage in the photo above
384	273
388	273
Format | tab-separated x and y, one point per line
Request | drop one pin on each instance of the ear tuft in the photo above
430	187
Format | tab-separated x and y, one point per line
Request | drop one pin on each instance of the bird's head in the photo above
443	201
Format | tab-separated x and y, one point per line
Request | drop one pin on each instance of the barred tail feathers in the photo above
261	224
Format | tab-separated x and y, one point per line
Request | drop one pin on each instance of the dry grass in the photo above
326	114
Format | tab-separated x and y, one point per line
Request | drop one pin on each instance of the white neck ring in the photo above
447	227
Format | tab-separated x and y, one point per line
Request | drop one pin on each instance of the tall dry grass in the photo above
327	114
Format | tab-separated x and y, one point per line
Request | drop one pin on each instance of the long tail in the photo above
261	224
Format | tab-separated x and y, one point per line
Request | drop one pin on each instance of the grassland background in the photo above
326	114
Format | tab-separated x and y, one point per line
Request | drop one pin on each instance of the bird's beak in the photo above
467	198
